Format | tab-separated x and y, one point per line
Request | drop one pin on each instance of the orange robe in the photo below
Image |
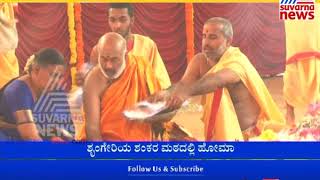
220	118
8	61
135	84
302	74
145	47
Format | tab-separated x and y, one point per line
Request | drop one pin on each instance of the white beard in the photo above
116	75
120	71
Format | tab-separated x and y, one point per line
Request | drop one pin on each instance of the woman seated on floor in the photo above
34	106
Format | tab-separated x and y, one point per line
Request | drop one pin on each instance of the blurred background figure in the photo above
8	43
302	73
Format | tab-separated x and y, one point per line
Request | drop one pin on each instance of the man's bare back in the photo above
245	105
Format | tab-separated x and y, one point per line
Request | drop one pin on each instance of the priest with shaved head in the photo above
116	83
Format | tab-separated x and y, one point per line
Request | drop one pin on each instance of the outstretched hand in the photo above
174	98
175	101
159	96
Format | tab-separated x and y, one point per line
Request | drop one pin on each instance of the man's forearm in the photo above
93	134
207	84
171	88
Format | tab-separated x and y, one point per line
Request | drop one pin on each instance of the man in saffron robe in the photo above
8	61
302	74
121	20
237	105
118	82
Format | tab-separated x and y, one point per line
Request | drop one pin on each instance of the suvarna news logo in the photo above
296	9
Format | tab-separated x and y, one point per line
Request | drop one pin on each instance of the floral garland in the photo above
79	33
189	30
72	43
72	34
